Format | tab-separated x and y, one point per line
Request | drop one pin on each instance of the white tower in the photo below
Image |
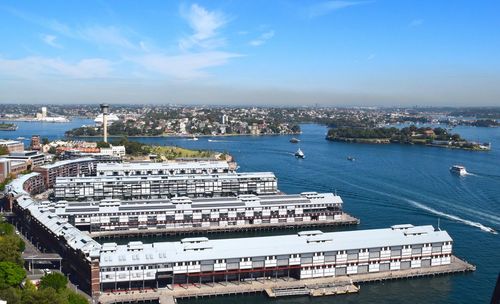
44	112
105	112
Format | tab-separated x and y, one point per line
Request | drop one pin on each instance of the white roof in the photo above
67	162
75	238
138	178
162	205
169	252
16	186
9	142
162	166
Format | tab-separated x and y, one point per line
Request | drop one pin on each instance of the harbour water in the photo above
385	185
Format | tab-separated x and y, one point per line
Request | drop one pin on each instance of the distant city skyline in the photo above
330	53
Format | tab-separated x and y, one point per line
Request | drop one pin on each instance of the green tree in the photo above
43	296
102	144
52	150
54	280
45	141
75	298
4	150
10	249
11	274
11	295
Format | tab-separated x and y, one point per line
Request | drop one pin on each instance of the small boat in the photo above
299	154
488	229
20	138
193	138
460	170
350	158
294	140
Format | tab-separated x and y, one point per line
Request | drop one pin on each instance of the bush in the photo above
54	280
11	274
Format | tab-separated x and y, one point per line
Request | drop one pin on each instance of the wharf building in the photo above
305	255
164	168
182	212
165	186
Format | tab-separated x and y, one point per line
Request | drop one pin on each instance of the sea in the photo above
385	185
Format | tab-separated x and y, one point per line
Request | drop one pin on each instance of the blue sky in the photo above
251	52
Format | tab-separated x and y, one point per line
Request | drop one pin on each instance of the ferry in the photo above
294	140
460	170
299	154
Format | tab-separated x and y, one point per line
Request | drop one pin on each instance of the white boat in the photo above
460	170
299	154
20	138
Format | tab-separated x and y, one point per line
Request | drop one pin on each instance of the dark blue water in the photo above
387	185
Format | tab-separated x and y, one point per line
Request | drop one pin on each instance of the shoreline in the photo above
181	136
387	141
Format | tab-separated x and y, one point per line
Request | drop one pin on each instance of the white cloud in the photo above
184	66
95	34
262	38
36	67
51	40
205	25
109	35
326	7
416	22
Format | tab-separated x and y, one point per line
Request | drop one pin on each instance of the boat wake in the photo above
452	217
218	140
431	210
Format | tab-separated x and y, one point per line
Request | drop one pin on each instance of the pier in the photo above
346	220
276	287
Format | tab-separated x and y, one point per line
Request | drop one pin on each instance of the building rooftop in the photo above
66	162
104	179
115	205
163	166
265	246
9	142
16	186
75	238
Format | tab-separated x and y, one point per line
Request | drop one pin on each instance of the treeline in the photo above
118	128
15	288
404	135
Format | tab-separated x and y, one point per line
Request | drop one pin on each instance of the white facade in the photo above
116	151
308	255
163	168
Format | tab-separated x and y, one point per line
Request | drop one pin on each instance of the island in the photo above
8	127
436	137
